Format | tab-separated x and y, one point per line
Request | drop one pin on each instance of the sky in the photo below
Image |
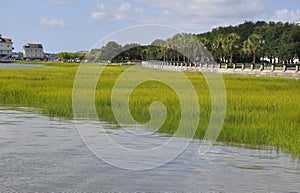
76	25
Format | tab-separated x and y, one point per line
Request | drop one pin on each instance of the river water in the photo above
42	154
22	66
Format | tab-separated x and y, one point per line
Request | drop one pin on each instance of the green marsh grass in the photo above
260	111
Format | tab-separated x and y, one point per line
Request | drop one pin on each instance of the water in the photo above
21	66
43	154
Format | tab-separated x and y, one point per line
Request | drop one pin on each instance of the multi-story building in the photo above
6	47
33	51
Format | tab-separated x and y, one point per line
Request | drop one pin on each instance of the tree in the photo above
217	46
160	48
176	45
272	37
110	51
80	56
200	48
131	52
290	43
71	56
238	43
252	45
169	48
204	41
230	44
295	40
64	56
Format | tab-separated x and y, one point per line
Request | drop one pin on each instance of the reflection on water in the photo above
22	66
39	153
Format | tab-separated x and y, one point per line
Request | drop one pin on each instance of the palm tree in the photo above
204	41
252	45
230	44
169	48
189	40
200	48
177	44
184	42
160	47
217	46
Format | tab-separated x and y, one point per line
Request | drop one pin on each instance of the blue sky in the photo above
74	25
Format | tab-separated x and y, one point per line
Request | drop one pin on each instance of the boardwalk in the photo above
270	70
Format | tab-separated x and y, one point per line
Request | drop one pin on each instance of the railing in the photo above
281	70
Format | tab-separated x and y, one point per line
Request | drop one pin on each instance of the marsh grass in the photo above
260	111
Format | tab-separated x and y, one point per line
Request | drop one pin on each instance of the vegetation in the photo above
71	56
247	42
230	45
273	40
252	46
268	118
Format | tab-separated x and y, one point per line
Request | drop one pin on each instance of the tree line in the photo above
71	56
250	41
247	42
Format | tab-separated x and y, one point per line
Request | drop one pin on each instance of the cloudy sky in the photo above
73	25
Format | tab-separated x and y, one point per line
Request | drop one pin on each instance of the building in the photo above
33	51
6	47
298	23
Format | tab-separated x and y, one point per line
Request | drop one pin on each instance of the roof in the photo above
33	45
6	40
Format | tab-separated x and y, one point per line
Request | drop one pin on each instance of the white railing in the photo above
280	70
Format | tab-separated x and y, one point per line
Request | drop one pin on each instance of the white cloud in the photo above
124	7
64	2
58	2
193	15
188	14
286	15
203	14
98	15
124	11
52	22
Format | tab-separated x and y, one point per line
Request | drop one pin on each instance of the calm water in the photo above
21	66
40	154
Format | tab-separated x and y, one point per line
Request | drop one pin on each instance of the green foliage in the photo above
282	41
253	45
217	47
242	43
71	56
230	45
110	50
290	43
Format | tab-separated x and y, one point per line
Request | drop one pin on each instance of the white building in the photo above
33	51
6	47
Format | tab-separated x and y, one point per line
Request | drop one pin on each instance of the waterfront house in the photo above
33	51
6	47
